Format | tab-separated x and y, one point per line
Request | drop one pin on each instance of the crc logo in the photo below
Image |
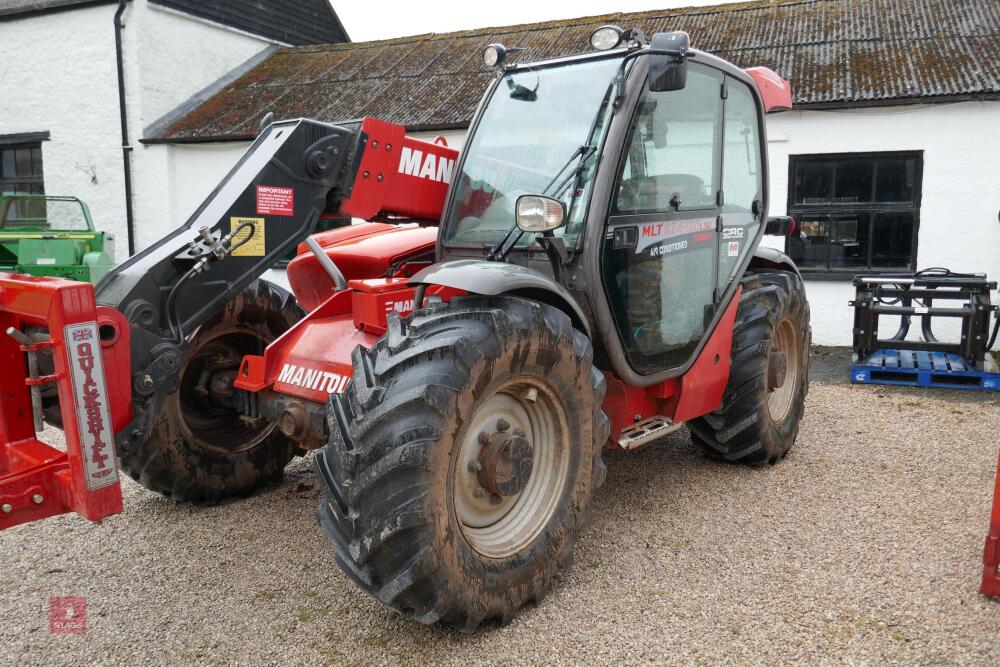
733	232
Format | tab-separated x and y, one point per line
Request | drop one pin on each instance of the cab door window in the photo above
661	250
741	179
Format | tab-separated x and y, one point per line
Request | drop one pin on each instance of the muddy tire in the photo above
427	502
199	450
769	377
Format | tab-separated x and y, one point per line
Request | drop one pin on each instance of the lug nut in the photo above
495	499
37	499
502	425
518	433
475	466
7	509
145	382
484	438
478	493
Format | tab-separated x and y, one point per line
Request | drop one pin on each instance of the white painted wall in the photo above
58	73
961	187
174	56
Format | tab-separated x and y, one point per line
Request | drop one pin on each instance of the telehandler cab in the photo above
594	279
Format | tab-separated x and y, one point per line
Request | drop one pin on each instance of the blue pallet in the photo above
918	368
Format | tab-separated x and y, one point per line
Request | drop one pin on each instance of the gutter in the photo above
123	112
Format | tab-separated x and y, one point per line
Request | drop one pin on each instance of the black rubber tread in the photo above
741	430
387	465
171	464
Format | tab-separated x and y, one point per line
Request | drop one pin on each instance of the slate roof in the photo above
294	22
834	53
19	8
289	21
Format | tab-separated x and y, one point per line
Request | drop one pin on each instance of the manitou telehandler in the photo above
587	273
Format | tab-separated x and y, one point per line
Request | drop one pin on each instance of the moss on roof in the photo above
832	51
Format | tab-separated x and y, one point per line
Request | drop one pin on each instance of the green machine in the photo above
41	235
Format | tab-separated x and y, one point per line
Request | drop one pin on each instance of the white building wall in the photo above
960	190
58	74
174	56
960	201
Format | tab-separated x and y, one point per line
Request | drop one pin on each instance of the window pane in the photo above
36	161
895	180
892	244
23	161
849	244
741	182
7	163
813	182
810	248
741	164
854	181
672	157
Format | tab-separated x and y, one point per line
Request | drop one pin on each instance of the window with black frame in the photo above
857	212
21	169
21	174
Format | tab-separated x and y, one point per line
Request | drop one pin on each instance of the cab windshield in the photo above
539	134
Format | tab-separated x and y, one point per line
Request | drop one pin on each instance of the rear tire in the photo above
198	451
758	422
398	465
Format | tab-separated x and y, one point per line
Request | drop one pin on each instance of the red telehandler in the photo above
586	274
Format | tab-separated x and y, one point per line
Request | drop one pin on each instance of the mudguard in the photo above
494	278
772	258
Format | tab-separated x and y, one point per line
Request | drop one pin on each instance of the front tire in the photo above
199	450
765	397
463	457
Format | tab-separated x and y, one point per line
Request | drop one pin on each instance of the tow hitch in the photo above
53	335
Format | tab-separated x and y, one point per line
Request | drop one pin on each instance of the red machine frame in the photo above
991	552
38	480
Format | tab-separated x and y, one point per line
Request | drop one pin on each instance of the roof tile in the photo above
832	52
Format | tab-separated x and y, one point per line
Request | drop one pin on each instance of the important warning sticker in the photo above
253	246
734	248
275	201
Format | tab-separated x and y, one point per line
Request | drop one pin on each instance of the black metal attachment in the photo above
914	294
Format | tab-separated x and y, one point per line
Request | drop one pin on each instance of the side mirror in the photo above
780	225
537	213
667	72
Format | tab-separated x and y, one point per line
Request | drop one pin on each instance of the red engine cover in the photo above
362	251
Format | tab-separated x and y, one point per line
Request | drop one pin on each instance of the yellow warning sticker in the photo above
254	247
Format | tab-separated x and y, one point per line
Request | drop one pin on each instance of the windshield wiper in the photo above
579	157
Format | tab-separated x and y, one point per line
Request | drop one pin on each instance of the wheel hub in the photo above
505	463
512	463
783	370
777	368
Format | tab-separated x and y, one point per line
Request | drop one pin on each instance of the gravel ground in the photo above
862	547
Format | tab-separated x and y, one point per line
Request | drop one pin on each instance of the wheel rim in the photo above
521	410
210	426
781	398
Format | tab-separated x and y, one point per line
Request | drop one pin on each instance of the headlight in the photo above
494	55
606	37
536	213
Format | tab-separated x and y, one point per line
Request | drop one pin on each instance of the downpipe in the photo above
123	112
